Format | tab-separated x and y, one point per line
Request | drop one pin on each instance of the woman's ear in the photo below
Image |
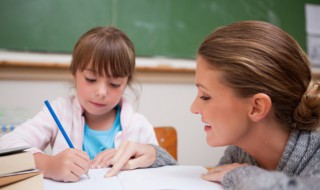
260	106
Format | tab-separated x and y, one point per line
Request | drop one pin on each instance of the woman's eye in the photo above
91	80
204	97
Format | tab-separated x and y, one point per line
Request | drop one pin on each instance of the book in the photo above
33	180
15	160
167	177
7	179
17	170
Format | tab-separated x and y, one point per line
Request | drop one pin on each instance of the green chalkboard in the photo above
170	28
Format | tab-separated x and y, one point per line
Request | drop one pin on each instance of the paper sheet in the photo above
163	178
312	18
313	33
111	183
168	177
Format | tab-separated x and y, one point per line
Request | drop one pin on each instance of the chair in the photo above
167	138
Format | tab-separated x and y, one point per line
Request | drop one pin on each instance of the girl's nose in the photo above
102	90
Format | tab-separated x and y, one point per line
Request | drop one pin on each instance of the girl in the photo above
97	119
255	94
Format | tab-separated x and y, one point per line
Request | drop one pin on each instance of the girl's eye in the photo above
91	80
115	85
204	98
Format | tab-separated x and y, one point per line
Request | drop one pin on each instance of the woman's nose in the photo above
194	107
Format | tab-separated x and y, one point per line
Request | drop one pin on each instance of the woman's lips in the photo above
207	128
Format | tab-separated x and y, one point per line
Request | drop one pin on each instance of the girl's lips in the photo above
97	104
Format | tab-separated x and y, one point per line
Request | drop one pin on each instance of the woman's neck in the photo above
266	144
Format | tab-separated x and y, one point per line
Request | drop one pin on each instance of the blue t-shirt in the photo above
95	141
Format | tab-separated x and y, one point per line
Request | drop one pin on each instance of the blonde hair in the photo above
107	50
258	57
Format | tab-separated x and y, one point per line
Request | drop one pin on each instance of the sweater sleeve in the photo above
253	177
163	158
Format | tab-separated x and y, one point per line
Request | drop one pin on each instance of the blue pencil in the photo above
59	124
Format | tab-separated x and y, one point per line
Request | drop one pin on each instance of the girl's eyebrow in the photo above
91	70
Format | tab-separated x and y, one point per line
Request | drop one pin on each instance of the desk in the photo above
167	177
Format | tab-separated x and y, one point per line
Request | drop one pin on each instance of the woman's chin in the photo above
213	142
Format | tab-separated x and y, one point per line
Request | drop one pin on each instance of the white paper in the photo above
167	177
313	33
163	178
96	182
312	19
314	50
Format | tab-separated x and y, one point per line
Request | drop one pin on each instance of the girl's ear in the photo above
260	106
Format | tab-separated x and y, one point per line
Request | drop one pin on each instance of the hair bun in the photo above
307	113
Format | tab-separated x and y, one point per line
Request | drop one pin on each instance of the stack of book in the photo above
17	170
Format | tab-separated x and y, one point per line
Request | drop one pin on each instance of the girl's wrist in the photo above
43	163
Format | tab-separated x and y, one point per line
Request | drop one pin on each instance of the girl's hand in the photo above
216	174
103	159
67	166
130	156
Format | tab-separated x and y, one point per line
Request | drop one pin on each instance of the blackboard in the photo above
169	28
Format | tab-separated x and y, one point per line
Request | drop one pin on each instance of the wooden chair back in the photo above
167	138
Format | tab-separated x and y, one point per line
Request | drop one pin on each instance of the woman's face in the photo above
224	114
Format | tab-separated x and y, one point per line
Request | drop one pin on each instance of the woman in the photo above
254	94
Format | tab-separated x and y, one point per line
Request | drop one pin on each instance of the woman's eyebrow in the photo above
199	85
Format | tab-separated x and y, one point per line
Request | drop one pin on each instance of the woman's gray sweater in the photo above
299	167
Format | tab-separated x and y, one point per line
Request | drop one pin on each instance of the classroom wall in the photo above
162	103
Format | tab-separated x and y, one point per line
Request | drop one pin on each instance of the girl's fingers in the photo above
132	155
123	147
71	177
77	170
100	159
138	162
106	160
122	156
119	163
82	155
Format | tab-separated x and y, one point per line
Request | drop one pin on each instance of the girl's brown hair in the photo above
107	51
258	57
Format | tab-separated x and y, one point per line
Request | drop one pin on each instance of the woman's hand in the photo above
216	174
130	156
103	159
67	166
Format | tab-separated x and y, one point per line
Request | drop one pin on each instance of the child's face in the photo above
98	95
224	114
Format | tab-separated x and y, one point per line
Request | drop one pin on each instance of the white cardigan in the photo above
42	130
